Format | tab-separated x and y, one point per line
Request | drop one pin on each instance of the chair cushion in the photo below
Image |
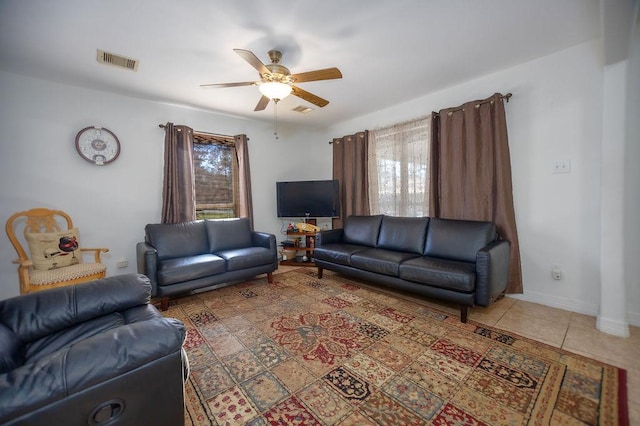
51	250
67	273
172	271
362	230
403	233
248	257
177	240
227	234
12	350
458	239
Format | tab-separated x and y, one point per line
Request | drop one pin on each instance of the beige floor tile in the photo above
531	309
543	330
619	351
492	313
581	320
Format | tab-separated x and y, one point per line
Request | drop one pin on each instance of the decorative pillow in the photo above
54	249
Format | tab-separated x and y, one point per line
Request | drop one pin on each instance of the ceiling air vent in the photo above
302	109
117	60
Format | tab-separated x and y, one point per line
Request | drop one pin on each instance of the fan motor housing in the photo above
278	72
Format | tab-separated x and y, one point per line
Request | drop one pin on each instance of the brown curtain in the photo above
178	189
246	202
471	171
350	169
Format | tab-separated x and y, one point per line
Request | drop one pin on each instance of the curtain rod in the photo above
162	126
505	97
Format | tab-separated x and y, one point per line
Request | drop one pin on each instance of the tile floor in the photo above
571	331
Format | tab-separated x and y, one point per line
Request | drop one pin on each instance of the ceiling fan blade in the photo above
325	74
244	83
253	60
262	103
309	97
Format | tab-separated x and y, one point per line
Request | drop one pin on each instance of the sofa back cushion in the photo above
227	234
362	230
458	239
173	240
404	234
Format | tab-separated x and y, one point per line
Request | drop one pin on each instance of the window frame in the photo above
202	138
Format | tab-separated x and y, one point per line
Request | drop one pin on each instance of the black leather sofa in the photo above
458	261
91	354
187	256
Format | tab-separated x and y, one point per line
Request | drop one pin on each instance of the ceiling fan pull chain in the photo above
275	119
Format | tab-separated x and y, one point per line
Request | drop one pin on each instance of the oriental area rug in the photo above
305	351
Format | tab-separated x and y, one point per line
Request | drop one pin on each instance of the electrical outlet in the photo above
122	263
561	166
556	271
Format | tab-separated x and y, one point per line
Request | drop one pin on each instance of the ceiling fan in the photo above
276	81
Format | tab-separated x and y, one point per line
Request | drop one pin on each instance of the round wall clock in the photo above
97	145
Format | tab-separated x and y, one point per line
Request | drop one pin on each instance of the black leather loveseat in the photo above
91	354
181	257
458	261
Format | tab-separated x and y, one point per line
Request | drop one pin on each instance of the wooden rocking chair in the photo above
51	260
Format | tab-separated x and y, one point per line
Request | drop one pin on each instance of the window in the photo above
399	169
216	176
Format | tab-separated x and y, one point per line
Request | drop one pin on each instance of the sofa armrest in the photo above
268	241
329	237
63	307
492	270
147	257
88	363
263	239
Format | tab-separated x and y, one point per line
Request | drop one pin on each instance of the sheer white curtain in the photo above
399	169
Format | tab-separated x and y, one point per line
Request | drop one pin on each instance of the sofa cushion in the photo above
336	252
172	271
449	274
11	350
381	261
458	239
177	240
403	233
226	234
247	257
362	230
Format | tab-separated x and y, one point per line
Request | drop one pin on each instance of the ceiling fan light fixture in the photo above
275	90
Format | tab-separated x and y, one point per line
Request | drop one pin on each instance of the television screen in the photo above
311	198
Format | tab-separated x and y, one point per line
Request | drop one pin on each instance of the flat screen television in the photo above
309	198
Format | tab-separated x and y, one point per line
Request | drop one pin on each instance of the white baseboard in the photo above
633	312
558	302
611	326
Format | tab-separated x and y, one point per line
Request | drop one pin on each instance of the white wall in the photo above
555	114
632	181
112	204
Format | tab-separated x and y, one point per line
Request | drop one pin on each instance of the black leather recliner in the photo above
91	354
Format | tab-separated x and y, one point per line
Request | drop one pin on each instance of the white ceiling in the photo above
388	51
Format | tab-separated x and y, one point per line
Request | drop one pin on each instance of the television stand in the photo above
303	247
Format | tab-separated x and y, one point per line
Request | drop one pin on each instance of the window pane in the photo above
215	180
398	169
